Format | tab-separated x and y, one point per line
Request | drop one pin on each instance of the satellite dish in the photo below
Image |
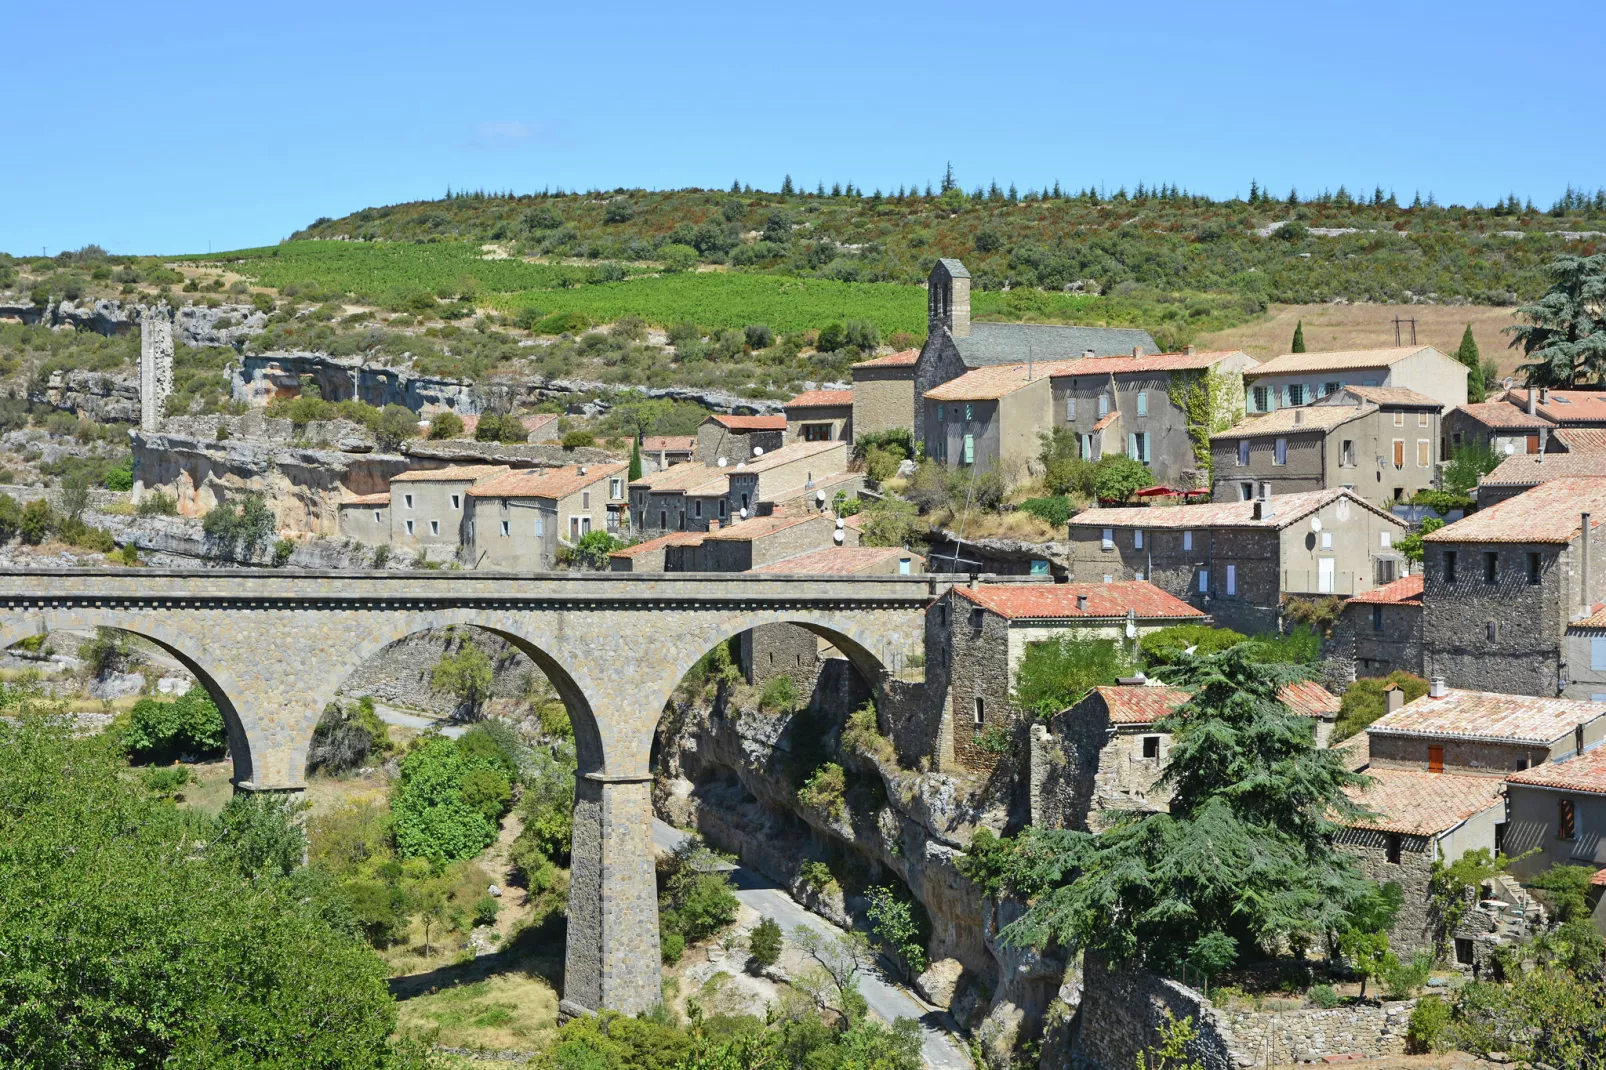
1510	449
819	495
1508	382
1316	523
758	451
721	462
744	513
838	536
840	523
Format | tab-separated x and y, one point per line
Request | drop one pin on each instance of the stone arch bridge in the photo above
274	648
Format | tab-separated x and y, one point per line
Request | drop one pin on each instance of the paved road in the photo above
391	715
886	999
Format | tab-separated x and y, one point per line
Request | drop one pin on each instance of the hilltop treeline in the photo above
1293	248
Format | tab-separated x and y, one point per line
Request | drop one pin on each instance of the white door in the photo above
1324	578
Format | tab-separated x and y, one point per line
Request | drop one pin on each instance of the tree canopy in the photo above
1565	336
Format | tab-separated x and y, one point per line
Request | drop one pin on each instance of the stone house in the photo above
1559	811
1137	405
428	508
1585	653
820	416
1502	585
1562	409
1296	379
884	393
366	518
1523	472
812	497
1482	732
1498	426
655	554
516	521
664	451
982	632
658	499
1240	561
989	419
1378	441
737	438
798	466
1419	818
954	345
1380	631
751	543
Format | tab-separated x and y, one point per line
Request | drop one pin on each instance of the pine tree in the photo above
1013	196
836	189
821	191
1057	194
635	460
786	187
1299	338
948	182
928	189
1468	354
1254	192
736	186
1293	198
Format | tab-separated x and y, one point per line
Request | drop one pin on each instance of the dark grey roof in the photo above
956	268
1012	343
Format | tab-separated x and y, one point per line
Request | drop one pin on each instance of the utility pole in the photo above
1398	323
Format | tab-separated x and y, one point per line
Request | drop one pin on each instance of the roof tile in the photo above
1309	699
1286	509
1584	773
1532	469
1418	803
819	399
1549	513
545	482
1502	414
988	383
749	423
1339	360
1407	590
1488	716
1295	420
903	359
674	538
1156	362
457	473
1024	601
840	560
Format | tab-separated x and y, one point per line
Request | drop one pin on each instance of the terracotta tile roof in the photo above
1488	716
989	383
673	443
856	521
903	358
819	399
545	482
382	498
1531	469
1418	803
1340	360
1502	414
1309	699
792	451
1393	395
677	477
1141	703
1581	439
1355	752
1407	590
1052	601
674	538
1585	773
1286	509
1293	421
1596	619
835	560
1158	362
458	473
1107	419
1549	513
749	423
825	483
757	528
1566	406
1599	878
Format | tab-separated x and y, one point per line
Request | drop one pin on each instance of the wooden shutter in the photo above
1399	453
1435	759
1533	443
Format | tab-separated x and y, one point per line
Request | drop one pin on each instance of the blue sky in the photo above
174	127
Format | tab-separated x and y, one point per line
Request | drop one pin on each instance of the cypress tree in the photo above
1299	338
1468	354
635	460
786	187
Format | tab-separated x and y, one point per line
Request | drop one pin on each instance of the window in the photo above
697	508
1424	452
724	507
1243	452
1597	653
1491	567
1280	452
376	516
1463	950
1385	539
978	617
1108	578
1246	491
1143	403
1330	388
1204	581
457	501
1262	399
1296	394
1449	566
1109	538
1137	538
903	566
507	528
1137	446
1232	579
1377	618
1151	746
1491	631
434	527
1399	453
981	711
540	524
1391	847
616	489
1566	820
744	493
585	499
1383	570
1070	407
816	432
1187	540
1399	419
1533	568
409	499
1435	758
1421	419
939	414
1104	405
970	449
409	527
1346	453
1327	540
663	518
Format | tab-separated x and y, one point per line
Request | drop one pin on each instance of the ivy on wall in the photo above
1212	401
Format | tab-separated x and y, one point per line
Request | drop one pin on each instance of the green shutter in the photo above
970	449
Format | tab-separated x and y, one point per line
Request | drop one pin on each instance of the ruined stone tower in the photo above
155	363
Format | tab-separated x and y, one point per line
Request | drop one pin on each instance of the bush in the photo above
826	791
107	652
1428	1022
495	427
485	910
1056	673
433	818
765	942
237	531
779	695
593	549
121	478
759	336
881	464
1117	477
671	945
1055	511
157	503
1165	646
161	731
897	924
890	522
575	440
1324	996
466	675
677	258
445	425
1366	700
282	551
897	440
36	522
817	875
697	900
396	424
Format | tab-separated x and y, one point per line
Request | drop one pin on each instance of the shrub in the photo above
396	424
36	522
1165	646
1324	996
862	734
1117	477
433	819
167	782
897	440
826	791
779	695
163	731
1366	700
890	522
759	336
881	464
121	478
575	440
1429	1020
697	900
465	674
897	924
157	503
817	875
764	943
495	427
671	945
237	531
1055	511
832	337
107	652
282	551
593	549
445	425
485	909
677	258
1056	673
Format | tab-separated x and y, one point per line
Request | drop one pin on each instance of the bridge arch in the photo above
216	678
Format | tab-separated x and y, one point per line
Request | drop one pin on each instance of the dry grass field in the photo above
1332	327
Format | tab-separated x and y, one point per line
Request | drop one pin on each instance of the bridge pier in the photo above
612	960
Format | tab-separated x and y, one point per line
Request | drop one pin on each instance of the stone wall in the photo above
1417	923
780	650
399	675
979	670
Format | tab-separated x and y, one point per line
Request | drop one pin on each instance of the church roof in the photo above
1016	343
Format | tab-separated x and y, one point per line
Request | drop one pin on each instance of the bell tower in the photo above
948	298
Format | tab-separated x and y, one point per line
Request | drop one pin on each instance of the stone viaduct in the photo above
274	648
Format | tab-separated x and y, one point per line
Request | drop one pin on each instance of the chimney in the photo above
1583	550
1437	689
1544	395
1533	402
1396	697
1188	349
1544	440
1578	738
1137	351
713	525
1260	509
1088	354
1081	603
